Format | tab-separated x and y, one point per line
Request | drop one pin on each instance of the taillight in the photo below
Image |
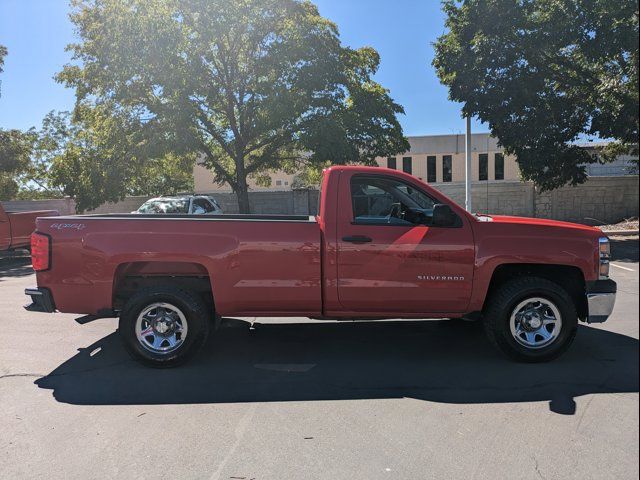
40	251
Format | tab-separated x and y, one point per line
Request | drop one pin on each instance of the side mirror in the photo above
443	216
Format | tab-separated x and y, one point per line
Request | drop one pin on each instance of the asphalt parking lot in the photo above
297	399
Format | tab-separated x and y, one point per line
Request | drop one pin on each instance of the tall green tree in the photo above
93	156
543	73
15	151
249	85
98	156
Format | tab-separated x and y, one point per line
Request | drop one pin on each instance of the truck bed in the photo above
254	263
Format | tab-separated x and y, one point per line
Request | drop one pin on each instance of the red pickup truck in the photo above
16	228
384	245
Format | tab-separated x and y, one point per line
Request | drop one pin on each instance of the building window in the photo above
431	169
278	183
406	164
483	169
447	168
391	162
499	166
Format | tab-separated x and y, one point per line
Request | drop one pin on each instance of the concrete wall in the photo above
127	205
599	201
65	206
504	198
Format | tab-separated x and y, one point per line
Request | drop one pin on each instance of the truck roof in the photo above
360	168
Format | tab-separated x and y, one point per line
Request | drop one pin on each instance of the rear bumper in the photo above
601	297
41	300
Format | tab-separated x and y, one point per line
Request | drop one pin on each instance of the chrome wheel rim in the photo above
161	328
535	323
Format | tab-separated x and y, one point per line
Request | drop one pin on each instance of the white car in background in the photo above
185	204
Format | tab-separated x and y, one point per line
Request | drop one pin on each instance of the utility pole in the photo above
467	170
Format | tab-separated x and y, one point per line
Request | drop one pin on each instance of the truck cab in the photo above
393	247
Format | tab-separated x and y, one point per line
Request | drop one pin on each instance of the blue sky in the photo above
36	32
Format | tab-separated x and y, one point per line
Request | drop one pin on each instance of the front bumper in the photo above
41	300
601	297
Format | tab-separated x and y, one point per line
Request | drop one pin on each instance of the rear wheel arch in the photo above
131	277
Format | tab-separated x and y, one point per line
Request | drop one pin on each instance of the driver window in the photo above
417	196
383	200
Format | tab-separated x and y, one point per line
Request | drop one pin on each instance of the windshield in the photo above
165	205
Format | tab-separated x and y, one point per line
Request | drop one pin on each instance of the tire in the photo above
176	322
514	311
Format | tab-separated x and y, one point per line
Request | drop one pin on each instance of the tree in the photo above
94	157
98	156
543	73
166	175
246	84
15	151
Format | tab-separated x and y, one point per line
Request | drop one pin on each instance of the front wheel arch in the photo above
570	278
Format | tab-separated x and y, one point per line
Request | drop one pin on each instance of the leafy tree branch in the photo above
543	74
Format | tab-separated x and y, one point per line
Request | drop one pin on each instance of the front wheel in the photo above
531	319
164	326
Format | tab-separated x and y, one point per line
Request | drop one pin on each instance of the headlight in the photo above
604	253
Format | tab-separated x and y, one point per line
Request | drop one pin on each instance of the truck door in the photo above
390	259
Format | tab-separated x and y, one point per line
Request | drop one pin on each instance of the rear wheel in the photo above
531	319
164	326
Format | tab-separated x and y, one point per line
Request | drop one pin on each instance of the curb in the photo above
621	233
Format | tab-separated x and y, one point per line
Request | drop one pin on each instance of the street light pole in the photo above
467	170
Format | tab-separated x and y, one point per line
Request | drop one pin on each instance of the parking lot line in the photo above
623	268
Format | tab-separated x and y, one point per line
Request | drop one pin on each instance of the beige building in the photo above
203	182
432	158
441	158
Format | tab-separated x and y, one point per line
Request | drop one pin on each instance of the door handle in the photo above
356	239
